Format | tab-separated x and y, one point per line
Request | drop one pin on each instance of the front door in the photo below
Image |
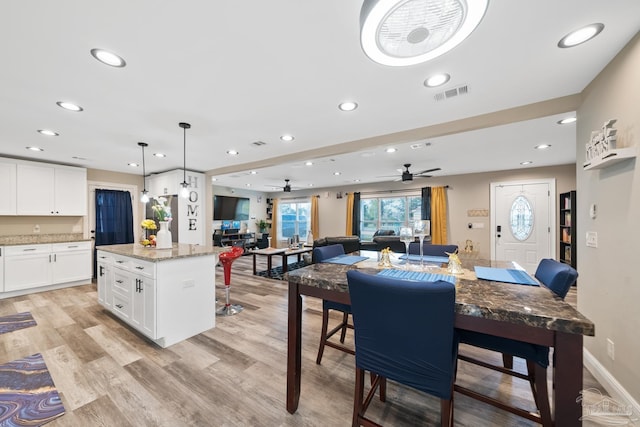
523	222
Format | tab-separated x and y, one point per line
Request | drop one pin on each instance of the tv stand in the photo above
233	237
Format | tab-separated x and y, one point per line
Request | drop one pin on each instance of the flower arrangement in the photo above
148	240
162	208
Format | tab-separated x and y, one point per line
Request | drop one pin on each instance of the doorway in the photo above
523	221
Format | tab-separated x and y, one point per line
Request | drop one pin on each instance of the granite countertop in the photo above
31	239
178	250
520	304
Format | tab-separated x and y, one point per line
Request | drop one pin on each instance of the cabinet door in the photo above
70	191
35	190
7	188
29	268
71	265
143	306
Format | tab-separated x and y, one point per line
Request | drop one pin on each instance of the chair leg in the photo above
343	333
507	361
323	335
358	398
538	382
446	412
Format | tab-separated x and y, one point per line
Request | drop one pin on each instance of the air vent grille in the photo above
451	93
258	143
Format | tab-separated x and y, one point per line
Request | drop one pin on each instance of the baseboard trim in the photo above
608	381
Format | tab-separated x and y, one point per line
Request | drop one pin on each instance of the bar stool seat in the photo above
227	258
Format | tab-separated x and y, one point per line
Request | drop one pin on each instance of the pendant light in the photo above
144	196
184	190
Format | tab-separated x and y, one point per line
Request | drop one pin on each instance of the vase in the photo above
163	237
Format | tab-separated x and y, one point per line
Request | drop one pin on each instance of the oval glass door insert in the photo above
521	218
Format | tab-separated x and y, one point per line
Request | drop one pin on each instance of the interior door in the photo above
523	222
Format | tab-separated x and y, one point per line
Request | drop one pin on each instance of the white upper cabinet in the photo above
44	189
7	188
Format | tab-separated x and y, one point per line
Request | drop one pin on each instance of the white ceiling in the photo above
249	71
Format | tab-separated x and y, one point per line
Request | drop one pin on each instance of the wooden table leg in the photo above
294	348
567	379
254	264
269	265
285	263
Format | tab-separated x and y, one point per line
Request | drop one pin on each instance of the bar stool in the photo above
227	258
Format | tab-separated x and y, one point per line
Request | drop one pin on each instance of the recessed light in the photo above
108	58
527	162
161	155
48	132
34	148
133	165
356	180
391	150
248	185
232	152
69	106
437	80
310	185
214	178
287	138
542	146
580	35
567	121
308	163
348	106
336	173
253	173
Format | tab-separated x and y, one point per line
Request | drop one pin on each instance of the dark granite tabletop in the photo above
519	304
178	250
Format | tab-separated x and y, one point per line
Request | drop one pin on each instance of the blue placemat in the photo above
345	259
427	258
416	275
506	275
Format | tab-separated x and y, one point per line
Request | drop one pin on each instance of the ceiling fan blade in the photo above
426	171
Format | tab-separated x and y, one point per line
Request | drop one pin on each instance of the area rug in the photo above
277	274
13	322
28	396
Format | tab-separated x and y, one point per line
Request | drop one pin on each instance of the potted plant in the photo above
262	225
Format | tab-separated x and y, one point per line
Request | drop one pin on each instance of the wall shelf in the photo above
609	158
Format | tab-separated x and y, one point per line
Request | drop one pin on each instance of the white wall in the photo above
609	285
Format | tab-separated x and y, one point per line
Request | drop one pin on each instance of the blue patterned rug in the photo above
277	274
28	396
13	322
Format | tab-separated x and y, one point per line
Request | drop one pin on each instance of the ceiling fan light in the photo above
409	32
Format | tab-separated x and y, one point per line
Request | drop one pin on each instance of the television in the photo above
230	208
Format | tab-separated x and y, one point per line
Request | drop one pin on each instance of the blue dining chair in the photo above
321	254
559	278
418	348
431	250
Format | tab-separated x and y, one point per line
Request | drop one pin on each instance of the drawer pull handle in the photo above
29	249
139	268
119	262
72	246
119	306
118	281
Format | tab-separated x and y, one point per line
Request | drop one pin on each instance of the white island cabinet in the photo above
168	295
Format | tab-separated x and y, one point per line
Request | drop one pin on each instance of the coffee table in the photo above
283	252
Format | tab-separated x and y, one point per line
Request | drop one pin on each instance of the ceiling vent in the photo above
258	143
451	93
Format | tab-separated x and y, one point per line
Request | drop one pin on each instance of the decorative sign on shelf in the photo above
602	140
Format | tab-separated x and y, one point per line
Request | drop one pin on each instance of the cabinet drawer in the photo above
121	283
27	250
105	258
143	268
122	307
71	246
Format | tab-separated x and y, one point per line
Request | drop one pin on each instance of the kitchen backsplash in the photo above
27	239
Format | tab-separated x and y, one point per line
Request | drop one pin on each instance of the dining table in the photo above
529	313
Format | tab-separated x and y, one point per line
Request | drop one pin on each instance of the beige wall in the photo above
465	192
608	286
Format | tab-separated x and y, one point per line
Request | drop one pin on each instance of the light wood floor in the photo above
232	375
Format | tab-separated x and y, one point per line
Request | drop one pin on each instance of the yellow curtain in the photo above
274	224
315	217
349	214
438	216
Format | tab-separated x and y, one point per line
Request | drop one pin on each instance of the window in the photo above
388	213
294	218
521	218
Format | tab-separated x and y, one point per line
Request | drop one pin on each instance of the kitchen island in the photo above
168	295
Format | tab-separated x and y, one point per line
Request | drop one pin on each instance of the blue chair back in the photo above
431	250
404	330
322	253
557	276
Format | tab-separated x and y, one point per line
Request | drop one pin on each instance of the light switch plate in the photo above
592	239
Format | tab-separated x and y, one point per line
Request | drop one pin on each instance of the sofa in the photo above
349	243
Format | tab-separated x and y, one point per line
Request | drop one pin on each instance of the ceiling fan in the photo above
287	187
408	176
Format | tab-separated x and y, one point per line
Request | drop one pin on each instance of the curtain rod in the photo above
394	191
